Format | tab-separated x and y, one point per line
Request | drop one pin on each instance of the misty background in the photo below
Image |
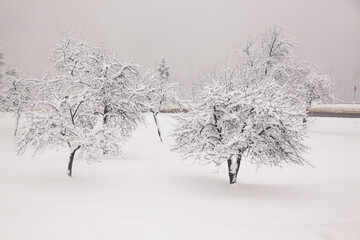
193	35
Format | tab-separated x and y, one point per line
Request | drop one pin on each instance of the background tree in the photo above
160	92
17	92
316	88
2	62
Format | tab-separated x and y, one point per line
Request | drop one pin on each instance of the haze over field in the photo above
192	35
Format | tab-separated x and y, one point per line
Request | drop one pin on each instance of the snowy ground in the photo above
153	195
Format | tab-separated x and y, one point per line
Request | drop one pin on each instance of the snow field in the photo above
150	194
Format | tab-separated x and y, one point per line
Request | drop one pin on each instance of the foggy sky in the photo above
193	35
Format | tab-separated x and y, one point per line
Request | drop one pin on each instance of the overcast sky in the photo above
193	35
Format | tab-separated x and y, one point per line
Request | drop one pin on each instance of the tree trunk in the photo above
304	120
308	107
306	115
233	167
105	121
106	111
17	123
157	125
72	155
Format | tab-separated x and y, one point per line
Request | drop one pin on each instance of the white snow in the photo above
153	195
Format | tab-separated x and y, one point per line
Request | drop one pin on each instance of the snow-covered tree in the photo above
252	110
233	122
160	92
64	117
273	55
88	103
17	92
2	61
115	85
315	88
163	71
194	85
